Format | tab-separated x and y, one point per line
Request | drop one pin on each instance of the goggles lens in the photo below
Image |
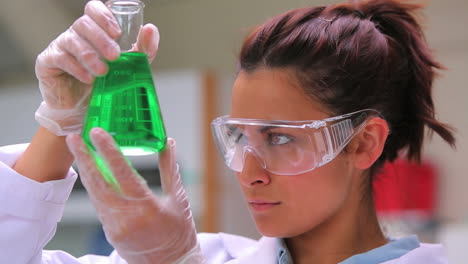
286	147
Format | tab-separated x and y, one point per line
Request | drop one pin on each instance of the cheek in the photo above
330	181
315	197
307	200
310	199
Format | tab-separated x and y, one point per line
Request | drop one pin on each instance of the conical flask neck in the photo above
129	16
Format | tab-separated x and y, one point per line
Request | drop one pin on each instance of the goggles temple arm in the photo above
343	131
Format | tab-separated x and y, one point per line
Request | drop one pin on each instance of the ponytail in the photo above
394	19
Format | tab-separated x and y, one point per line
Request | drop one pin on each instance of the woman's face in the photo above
287	206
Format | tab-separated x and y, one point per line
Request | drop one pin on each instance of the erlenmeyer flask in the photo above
124	101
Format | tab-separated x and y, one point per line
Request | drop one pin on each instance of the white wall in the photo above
447	34
451	95
18	102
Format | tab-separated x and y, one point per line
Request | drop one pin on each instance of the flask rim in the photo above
125	6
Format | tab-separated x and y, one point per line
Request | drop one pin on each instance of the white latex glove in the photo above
67	68
142	227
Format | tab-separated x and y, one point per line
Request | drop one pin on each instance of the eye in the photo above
236	135
279	139
240	138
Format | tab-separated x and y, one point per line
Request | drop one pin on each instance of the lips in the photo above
262	205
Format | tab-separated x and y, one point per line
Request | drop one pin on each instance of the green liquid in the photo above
124	103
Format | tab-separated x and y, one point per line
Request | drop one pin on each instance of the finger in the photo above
148	41
100	14
97	37
131	184
171	182
74	44
168	167
55	62
90	174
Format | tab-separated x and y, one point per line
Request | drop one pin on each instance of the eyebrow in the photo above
262	130
265	129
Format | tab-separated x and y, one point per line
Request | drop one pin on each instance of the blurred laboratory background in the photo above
193	73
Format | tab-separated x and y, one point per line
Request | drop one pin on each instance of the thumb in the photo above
148	41
171	181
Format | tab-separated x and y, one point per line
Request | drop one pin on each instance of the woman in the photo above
324	96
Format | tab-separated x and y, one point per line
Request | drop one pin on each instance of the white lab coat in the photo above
29	212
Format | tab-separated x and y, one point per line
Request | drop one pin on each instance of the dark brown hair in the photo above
357	55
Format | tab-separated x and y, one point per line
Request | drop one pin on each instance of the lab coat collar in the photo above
263	252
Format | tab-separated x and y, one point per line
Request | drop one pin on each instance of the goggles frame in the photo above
337	131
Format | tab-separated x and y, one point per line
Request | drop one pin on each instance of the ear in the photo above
370	143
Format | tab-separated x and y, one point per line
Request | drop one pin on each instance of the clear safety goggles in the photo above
287	147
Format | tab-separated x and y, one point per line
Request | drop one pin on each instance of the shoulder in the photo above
425	253
429	253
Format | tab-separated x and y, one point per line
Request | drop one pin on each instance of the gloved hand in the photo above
142	227
67	67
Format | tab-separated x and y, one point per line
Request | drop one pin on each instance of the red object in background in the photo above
403	186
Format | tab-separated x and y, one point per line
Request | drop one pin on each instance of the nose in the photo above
253	173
